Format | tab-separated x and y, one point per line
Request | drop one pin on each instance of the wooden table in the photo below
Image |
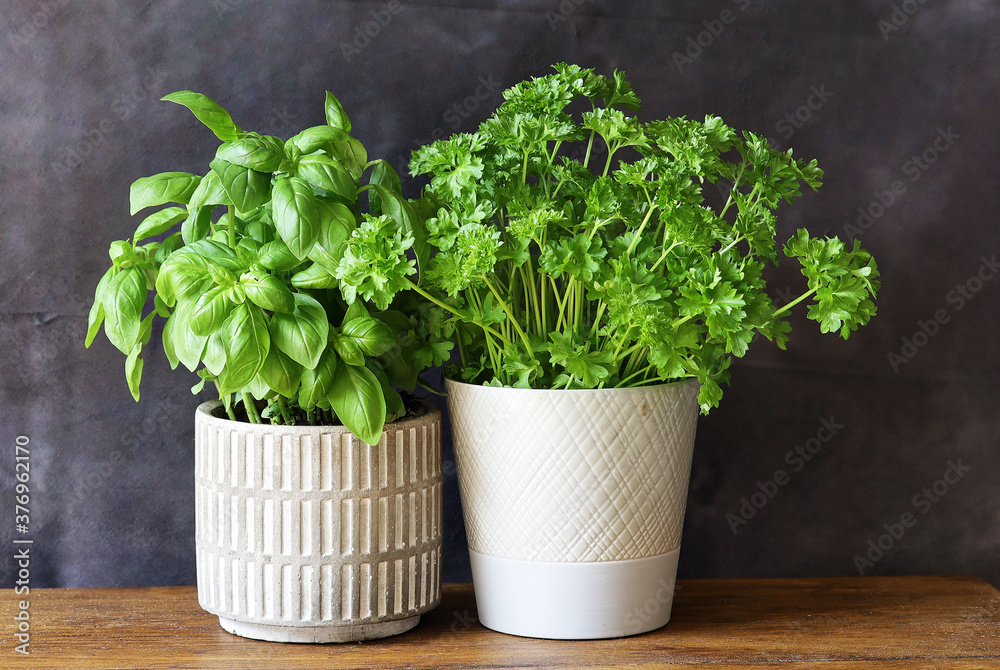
870	622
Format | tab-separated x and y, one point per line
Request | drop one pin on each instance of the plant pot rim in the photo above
624	389
430	413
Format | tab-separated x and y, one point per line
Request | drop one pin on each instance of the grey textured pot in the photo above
308	534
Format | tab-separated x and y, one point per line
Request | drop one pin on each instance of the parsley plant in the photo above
584	250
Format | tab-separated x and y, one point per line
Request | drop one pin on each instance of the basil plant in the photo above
579	247
279	274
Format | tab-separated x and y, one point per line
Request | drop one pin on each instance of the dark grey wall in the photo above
111	479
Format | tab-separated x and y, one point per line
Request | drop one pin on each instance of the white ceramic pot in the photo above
308	534
574	504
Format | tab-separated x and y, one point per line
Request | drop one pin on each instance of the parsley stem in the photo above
795	302
457	312
730	245
638	232
628	379
510	315
729	200
590	145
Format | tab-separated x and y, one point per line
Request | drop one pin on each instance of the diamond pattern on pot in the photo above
579	475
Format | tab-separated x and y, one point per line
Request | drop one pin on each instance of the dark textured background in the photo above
79	121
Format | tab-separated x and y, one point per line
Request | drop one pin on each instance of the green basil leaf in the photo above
280	373
336	224
314	276
327	174
159	222
185	274
356	310
373	336
295	215
257	152
267	291
318	383
398	361
211	310
385	176
208	112
356	397
197	225
275	255
214	356
96	317
246	188
395	408
160	307
352	154
123	303
161	189
315	138
134	361
335	114
180	343
133	370
258	388
169	245
348	350
302	334
397	208
246	339
209	192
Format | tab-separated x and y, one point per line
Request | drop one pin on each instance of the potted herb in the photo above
278	274
598	286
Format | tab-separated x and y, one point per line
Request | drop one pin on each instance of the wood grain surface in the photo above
849	623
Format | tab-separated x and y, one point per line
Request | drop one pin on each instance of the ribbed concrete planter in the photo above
308	534
574	504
